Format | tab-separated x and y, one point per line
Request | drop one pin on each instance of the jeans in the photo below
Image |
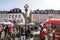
22	37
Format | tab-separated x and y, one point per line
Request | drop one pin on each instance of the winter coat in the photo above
42	35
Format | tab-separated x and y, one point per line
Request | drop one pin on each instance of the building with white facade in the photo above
14	14
38	16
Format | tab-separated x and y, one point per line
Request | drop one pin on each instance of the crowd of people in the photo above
12	31
47	34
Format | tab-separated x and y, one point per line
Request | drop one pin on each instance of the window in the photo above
15	16
50	16
18	10
12	16
5	20
5	15
14	10
18	16
18	21
9	16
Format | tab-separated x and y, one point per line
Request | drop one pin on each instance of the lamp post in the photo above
26	19
26	10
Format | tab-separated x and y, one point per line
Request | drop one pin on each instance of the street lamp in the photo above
26	10
26	19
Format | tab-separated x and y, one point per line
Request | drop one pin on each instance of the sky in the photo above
33	4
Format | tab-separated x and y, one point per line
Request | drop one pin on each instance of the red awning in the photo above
52	22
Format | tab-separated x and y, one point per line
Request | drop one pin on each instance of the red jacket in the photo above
53	36
42	35
10	30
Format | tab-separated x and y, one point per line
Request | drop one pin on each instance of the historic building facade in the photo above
13	14
38	16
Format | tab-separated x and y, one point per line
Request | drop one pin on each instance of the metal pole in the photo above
26	20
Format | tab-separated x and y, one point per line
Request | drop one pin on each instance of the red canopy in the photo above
52	22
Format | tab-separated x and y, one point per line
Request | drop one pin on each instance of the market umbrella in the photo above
52	22
31	24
